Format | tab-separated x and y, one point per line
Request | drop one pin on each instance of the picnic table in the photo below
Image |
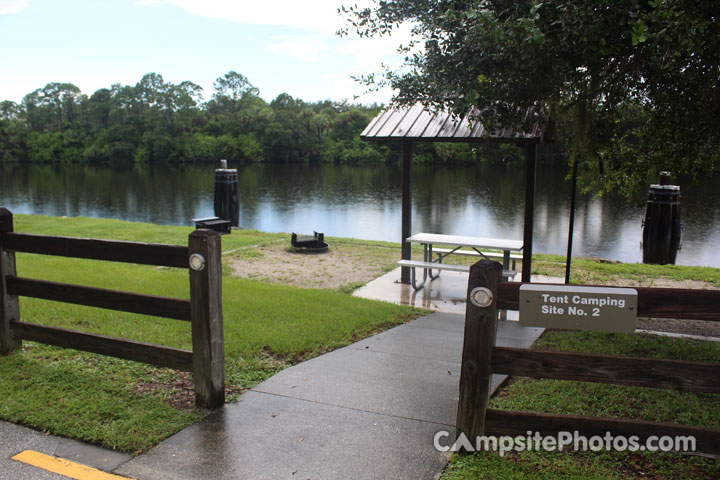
456	244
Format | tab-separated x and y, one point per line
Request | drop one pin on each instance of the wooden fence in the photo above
481	358
203	310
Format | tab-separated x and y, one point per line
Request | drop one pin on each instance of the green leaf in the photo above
639	33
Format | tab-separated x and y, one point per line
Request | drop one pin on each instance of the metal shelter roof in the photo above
418	124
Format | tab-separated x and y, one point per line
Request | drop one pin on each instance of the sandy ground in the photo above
346	265
350	265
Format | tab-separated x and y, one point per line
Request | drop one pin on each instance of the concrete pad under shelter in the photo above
447	293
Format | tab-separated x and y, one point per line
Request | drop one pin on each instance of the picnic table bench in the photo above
457	242
514	257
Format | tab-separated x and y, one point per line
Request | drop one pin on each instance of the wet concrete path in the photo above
369	410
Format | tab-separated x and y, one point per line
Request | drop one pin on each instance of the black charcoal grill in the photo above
309	244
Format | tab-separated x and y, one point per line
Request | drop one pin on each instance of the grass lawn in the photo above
578	398
130	406
597	272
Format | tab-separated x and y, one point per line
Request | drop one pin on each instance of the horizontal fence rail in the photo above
584	367
684	303
111	346
203	310
167	307
481	358
95	249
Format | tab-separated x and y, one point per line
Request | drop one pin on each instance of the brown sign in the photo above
602	309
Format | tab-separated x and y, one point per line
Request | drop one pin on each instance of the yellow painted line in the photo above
64	467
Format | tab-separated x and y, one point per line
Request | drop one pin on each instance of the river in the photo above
364	202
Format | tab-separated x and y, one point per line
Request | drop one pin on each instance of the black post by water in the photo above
406	207
9	305
530	164
226	194
478	343
661	226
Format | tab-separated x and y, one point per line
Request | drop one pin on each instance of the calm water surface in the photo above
364	202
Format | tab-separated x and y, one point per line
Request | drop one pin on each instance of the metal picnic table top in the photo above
465	241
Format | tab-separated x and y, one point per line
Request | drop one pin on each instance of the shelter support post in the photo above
571	225
406	207
530	165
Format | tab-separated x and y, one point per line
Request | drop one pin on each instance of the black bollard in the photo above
661	227
226	194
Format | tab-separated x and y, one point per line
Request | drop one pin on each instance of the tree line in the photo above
156	121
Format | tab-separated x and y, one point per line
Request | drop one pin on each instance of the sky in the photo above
281	46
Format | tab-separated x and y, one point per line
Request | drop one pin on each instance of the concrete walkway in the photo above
366	411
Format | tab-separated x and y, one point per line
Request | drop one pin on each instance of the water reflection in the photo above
364	202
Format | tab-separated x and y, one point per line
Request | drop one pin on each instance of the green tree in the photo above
149	90
61	98
36	116
101	104
9	110
12	132
631	84
181	100
45	147
233	91
116	144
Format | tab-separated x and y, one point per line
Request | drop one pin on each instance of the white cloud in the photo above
365	55
307	49
368	52
317	15
361	52
318	43
352	55
12	6
341	87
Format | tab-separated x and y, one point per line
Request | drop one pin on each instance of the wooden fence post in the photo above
9	306
476	372
206	318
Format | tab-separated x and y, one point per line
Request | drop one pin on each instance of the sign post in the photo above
601	309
